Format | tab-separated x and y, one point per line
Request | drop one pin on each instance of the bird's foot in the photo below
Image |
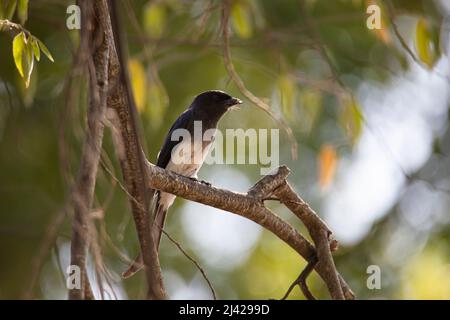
201	181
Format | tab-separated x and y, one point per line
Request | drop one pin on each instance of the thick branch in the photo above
83	192
250	206
128	149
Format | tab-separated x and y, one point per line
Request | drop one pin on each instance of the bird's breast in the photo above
188	156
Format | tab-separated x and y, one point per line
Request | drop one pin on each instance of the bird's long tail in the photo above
158	224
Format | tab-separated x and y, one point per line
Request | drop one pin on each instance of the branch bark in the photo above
132	160
320	233
251	206
83	193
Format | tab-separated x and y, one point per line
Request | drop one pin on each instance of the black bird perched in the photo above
207	108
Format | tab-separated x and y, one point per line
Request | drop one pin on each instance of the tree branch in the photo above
301	281
12	28
128	149
251	206
391	15
197	265
320	233
83	192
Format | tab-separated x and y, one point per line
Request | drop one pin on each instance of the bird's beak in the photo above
233	102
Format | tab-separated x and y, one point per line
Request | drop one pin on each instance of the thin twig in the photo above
12	28
301	281
399	36
128	260
120	184
240	84
45	246
199	267
320	47
404	44
320	234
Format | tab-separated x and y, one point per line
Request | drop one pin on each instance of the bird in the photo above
207	107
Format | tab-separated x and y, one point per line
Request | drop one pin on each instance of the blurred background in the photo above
368	107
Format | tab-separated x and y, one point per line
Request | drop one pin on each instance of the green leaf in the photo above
36	50
19	45
241	19
7	8
155	17
22	11
426	46
45	50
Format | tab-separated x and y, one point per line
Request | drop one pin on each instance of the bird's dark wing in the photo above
184	121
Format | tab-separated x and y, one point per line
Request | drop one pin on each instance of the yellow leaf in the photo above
287	93
158	101
426	48
29	62
155	17
327	165
23	56
19	44
35	46
138	83
351	119
311	106
241	19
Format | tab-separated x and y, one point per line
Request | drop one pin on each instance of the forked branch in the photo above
251	206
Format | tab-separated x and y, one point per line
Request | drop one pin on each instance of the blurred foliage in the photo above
307	63
426	276
426	43
327	165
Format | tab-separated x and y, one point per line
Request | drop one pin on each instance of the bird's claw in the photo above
205	182
201	181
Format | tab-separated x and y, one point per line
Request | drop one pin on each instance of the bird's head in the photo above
214	103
